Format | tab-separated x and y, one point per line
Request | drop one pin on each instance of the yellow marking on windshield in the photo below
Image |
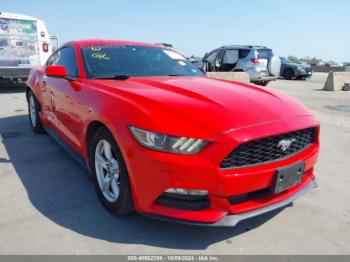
100	56
96	48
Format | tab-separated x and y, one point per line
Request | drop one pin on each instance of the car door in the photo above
218	60
46	105
208	61
65	99
229	60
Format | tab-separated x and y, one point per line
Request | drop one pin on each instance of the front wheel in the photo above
33	112
110	174
263	83
288	74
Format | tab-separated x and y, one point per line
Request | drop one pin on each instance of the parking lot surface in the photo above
48	203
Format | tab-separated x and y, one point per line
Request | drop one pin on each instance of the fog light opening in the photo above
185	199
184	191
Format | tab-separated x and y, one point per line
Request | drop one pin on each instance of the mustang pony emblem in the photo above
284	144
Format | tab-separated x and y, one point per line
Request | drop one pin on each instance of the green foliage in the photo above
307	60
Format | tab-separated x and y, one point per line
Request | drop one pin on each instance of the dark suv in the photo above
291	70
258	61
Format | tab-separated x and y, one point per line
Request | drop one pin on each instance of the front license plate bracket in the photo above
288	177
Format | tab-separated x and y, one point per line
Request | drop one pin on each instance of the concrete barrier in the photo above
336	81
233	76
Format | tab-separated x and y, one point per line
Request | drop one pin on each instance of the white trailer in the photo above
24	44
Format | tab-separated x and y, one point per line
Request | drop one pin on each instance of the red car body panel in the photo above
225	113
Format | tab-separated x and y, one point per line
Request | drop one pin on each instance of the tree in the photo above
308	60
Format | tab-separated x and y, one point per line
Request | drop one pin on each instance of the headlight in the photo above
166	143
300	68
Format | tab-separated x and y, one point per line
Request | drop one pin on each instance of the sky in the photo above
315	28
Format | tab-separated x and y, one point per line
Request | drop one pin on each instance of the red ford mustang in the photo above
164	140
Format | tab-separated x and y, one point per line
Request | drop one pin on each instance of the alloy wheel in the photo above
32	110
107	171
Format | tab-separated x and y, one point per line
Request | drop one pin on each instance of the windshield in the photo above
108	61
285	60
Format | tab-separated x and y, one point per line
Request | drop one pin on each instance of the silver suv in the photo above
258	61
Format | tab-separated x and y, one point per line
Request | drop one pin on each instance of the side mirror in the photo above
56	71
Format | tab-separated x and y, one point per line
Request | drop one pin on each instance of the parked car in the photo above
258	61
291	70
161	138
346	64
167	45
332	63
196	61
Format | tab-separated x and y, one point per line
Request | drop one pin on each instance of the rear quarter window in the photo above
243	53
264	53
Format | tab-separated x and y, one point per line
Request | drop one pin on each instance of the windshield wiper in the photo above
175	75
116	77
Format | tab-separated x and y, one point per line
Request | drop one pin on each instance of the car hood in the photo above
200	105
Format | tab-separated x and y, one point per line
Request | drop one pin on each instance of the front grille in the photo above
268	149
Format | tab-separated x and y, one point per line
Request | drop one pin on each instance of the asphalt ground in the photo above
48	204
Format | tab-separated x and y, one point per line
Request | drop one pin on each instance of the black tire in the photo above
124	203
301	78
34	121
346	87
288	74
264	83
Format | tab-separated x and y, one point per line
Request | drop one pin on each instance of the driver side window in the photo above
65	57
52	59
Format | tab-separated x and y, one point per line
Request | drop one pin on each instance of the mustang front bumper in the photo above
233	220
152	173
